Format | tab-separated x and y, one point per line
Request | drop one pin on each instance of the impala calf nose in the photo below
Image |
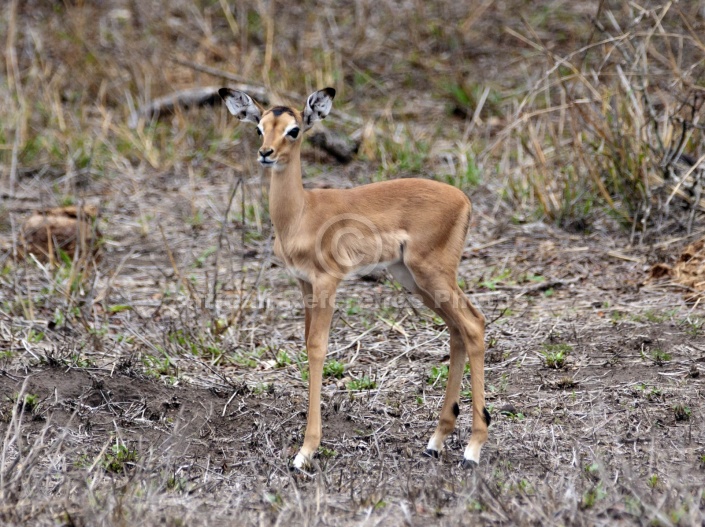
264	152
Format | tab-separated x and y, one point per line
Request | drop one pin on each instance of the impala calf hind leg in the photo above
452	302
450	409
475	334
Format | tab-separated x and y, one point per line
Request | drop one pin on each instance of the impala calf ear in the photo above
241	105
318	106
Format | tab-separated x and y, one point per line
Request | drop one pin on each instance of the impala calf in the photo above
416	228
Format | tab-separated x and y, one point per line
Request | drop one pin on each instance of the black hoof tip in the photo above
303	471
468	464
429	452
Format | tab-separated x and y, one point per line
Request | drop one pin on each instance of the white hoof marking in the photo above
435	443
301	461
472	453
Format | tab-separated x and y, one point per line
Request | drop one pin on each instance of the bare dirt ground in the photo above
614	434
164	382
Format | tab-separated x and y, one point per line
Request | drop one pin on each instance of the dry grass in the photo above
162	379
608	123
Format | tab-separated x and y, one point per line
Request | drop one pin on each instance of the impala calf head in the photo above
280	127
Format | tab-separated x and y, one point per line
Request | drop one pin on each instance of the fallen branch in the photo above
259	93
184	99
342	148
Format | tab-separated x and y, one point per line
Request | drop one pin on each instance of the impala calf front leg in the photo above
322	306
307	293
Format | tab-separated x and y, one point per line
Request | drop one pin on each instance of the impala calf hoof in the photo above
430	452
301	463
468	464
300	471
435	444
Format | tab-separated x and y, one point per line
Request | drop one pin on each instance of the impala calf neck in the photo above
415	228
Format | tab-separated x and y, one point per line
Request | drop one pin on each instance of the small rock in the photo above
508	410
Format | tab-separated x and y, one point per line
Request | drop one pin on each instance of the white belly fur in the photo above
360	271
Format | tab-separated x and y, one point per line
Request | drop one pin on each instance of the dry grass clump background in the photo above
151	359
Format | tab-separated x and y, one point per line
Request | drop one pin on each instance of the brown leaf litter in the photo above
47	231
688	271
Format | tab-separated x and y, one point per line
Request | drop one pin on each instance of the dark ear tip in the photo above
330	92
224	92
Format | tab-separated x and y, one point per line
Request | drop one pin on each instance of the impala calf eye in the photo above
293	133
259	132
